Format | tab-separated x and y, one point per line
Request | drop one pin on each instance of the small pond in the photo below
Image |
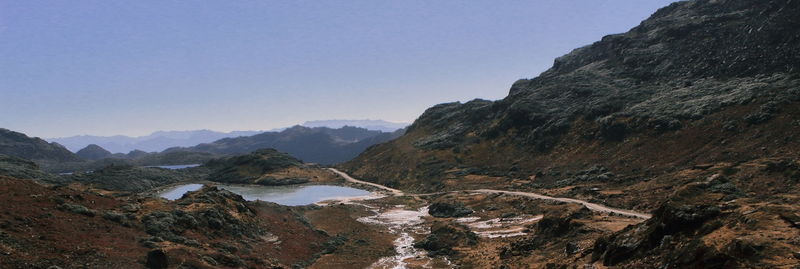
292	195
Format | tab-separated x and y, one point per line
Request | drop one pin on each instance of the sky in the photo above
110	67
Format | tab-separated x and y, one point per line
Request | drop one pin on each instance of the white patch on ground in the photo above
271	238
502	233
499	227
405	224
467	219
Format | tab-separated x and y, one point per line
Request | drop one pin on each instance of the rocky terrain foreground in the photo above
44	226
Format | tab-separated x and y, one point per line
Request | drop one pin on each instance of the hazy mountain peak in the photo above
379	125
154	142
93	152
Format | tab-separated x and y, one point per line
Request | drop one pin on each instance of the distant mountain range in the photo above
379	125
162	140
154	142
321	145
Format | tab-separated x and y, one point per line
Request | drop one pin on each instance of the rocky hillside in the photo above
24	169
32	148
130	178
697	82
693	115
265	167
315	145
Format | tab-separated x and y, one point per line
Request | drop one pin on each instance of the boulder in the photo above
444	236
448	210
157	259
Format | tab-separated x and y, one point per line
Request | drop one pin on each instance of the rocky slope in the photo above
128	178
24	169
32	148
698	81
692	115
265	167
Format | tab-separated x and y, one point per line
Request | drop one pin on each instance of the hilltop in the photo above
93	152
33	148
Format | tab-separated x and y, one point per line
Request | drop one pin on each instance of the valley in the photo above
672	145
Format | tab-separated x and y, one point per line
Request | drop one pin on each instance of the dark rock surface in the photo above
214	219
445	236
157	259
695	228
554	227
448	210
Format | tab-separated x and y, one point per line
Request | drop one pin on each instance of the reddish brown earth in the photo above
361	244
34	233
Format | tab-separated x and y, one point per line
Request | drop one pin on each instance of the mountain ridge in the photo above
316	145
154	142
161	140
33	148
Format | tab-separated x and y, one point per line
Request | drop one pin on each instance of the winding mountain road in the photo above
347	177
590	206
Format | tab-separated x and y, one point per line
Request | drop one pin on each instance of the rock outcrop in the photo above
448	210
252	168
699	226
129	178
265	167
446	236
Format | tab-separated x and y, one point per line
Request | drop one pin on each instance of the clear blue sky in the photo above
132	67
